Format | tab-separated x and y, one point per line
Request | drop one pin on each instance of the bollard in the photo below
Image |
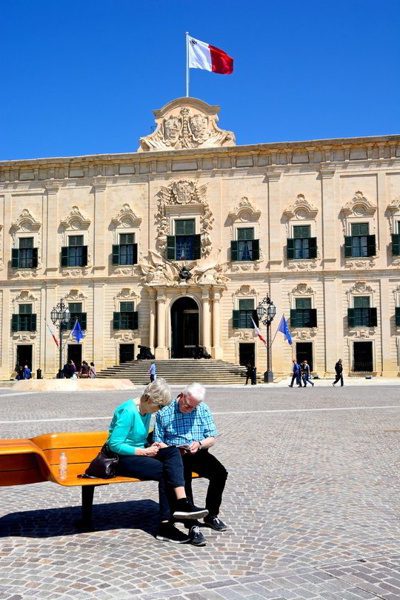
39	374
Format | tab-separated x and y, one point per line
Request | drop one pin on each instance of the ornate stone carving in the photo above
393	211
243	335
244	212
131	270
75	271
127	294
75	296
124	336
186	123
75	220
27	336
302	264
300	209
184	192
25	222
360	288
23	273
361	332
305	333
24	296
360	263
246	266
245	290
359	206
302	289
126	218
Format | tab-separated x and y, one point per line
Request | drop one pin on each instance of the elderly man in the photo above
188	424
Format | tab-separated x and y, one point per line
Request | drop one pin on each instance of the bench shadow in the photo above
53	522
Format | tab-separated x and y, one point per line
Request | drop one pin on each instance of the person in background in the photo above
296	374
187	423
249	373
84	372
339	372
153	372
69	369
92	370
128	433
26	373
306	373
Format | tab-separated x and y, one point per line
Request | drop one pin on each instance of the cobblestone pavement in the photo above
312	504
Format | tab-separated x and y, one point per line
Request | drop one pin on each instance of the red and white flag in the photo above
210	58
52	335
257	333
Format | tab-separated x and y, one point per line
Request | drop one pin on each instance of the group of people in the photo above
184	431
23	372
301	374
70	370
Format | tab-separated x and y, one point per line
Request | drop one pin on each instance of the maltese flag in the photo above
257	332
210	58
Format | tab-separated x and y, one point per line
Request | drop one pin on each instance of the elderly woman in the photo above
128	433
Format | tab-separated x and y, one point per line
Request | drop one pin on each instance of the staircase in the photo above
179	371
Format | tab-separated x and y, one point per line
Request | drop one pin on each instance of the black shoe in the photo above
196	537
167	532
185	509
215	523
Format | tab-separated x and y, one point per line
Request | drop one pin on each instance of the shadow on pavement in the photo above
53	522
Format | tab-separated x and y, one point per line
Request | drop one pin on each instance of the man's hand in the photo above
194	447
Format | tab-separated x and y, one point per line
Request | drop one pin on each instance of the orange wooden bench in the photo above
37	459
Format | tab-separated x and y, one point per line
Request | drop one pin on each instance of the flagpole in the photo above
187	64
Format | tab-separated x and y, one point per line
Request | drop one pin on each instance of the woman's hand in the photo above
160	445
150	451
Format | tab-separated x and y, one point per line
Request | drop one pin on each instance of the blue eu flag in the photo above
284	328
77	331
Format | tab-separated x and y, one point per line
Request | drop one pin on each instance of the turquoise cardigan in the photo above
128	428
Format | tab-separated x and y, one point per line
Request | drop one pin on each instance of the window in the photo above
302	245
24	257
125	253
360	243
185	244
127	318
245	247
303	315
396	240
241	318
75	309
362	315
75	254
25	320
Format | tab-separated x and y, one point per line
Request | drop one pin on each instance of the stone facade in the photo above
190	170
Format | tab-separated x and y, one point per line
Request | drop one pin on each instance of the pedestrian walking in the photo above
26	373
296	374
92	371
339	372
153	372
306	373
249	373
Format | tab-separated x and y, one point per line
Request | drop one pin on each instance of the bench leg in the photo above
87	503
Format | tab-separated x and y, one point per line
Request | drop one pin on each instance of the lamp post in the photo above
266	312
60	316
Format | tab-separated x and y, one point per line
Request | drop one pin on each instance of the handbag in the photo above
104	466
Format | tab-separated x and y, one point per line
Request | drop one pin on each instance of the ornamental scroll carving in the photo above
182	193
186	123
245	212
26	222
75	220
300	209
126	218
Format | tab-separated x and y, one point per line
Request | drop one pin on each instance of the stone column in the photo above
206	319
216	350
50	247
333	326
152	319
275	250
330	243
161	351
99	242
98	310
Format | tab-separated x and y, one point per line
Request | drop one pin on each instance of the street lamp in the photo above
266	312
60	316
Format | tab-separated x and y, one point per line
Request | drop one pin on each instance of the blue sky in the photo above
82	77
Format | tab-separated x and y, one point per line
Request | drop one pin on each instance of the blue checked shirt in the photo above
176	428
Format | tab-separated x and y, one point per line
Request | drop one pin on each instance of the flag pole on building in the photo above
187	64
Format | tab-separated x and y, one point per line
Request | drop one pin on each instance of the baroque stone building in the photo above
174	245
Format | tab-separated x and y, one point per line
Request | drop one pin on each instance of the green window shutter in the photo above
236	319
115	254
255	318
290	248
15	258
170	247
134	254
32	323
84	256
397	316
256	249
294	321
64	256
135	324
348	246
350	317
371	247
234	250
196	246
372	318
83	320
313	317
312	247
395	244
116	320
34	258
15	323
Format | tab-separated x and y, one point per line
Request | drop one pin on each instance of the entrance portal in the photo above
363	359
304	351
184	328
24	355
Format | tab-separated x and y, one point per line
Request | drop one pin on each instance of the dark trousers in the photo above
206	465
166	468
152	377
296	377
338	377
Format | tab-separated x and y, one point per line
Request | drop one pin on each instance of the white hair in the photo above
196	391
158	392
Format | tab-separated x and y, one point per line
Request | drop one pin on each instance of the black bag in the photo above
104	466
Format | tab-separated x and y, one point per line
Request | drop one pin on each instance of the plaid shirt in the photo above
176	428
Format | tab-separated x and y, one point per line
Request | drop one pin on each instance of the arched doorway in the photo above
184	327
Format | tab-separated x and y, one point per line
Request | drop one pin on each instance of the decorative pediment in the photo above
192	197
359	206
75	296
244	212
186	123
25	222
25	296
127	294
393	212
302	289
75	220
126	218
301	209
360	288
245	290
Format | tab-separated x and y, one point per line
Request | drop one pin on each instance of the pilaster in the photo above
275	251
52	246
99	192
216	350
161	352
98	335
206	319
329	251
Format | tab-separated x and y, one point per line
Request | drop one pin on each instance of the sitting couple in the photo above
183	433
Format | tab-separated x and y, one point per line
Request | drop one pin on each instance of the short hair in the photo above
196	391
158	392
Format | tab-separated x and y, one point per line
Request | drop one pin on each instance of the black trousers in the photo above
166	468
206	465
338	377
